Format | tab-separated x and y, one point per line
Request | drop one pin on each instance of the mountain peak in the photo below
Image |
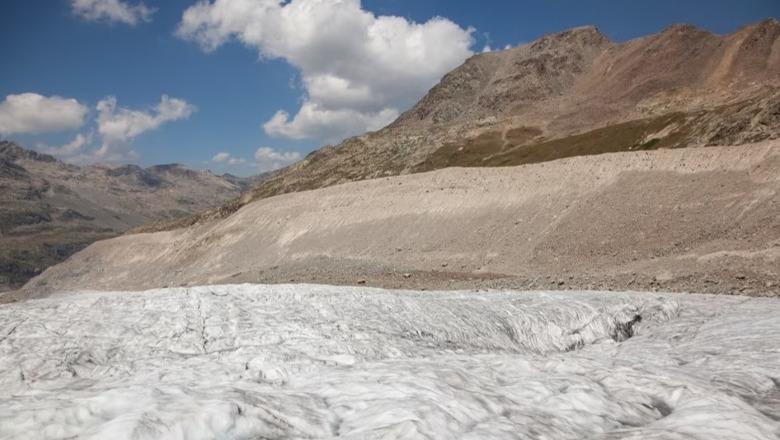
763	24
9	148
768	28
174	169
584	31
537	101
683	30
14	151
496	84
582	36
167	168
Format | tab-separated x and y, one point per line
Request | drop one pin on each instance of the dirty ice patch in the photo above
307	361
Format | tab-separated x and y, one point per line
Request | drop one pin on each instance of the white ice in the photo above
305	361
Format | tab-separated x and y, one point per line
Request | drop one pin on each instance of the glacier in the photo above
314	361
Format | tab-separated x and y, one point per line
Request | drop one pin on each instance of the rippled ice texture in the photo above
303	361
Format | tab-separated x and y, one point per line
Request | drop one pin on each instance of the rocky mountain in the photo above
601	195
571	161
50	209
567	94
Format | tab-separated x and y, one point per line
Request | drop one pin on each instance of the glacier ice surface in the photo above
310	361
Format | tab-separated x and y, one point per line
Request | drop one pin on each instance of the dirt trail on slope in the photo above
699	219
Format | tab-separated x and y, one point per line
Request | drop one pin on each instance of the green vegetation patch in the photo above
519	148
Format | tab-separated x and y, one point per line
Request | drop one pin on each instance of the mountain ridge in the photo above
52	209
569	93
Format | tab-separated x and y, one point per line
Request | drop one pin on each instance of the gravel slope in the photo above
702	219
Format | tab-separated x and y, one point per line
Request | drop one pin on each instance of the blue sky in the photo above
264	83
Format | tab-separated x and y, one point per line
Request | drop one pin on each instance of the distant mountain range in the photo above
567	94
50	209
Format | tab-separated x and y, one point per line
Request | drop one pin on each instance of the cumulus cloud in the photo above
104	155
121	125
34	113
314	121
118	127
359	70
225	157
112	11
221	157
266	159
72	147
269	159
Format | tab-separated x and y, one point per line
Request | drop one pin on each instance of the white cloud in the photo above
34	113
73	147
112	11
359	70
221	157
313	121
225	157
118	127
104	155
268	159
487	49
